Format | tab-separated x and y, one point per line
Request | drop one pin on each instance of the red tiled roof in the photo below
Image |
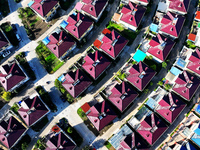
78	24
85	107
132	14
60	141
43	6
11	76
122	95
11	131
76	82
186	85
113	43
140	75
95	64
197	15
32	110
172	24
97	43
151	128
60	43
101	115
105	31
179	5
94	7
3	40
192	37
160	47
170	107
194	63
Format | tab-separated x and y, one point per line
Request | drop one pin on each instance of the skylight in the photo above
78	23
96	63
76	82
142	74
114	42
174	21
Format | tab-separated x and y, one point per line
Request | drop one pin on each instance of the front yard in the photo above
50	62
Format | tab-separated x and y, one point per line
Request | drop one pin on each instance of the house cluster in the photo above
4	42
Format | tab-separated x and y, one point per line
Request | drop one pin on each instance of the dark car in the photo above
14	27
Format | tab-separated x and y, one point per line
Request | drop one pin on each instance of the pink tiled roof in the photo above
11	76
101	115
11	131
122	95
78	24
132	14
32	110
140	75
179	5
170	107
113	43
76	82
95	64
43	6
172	24
186	85
3	40
60	43
94	7
194	63
160	47
151	128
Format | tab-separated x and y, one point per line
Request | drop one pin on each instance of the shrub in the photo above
164	65
70	130
24	146
160	83
7	96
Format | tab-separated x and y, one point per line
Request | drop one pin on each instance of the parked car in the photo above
14	27
6	53
18	37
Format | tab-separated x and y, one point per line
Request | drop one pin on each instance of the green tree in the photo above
7	96
149	57
24	146
160	83
164	65
70	99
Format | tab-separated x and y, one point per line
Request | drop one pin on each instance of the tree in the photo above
24	146
160	83
164	65
70	99
70	130
7	96
149	57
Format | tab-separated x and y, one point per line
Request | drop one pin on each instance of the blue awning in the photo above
154	28
46	40
139	56
63	24
181	63
175	71
30	3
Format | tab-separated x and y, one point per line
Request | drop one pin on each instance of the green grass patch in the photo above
190	44
25	65
7	29
50	62
40	124
4	7
15	108
121	75
46	98
82	114
107	144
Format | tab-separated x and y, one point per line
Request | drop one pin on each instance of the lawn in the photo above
7	29
130	35
25	65
121	75
15	108
50	62
4	8
46	98
40	124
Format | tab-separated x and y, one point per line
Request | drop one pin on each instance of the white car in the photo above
6	53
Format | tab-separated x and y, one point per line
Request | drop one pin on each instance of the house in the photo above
101	114
76	82
131	15
151	128
59	43
4	42
45	9
11	131
78	25
160	47
93	8
111	43
186	85
179	6
59	140
12	76
140	75
197	16
142	2
32	110
95	64
122	95
169	107
194	62
171	25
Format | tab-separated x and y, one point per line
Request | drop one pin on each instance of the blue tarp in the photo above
181	63
46	40
139	56
175	71
30	3
63	24
154	28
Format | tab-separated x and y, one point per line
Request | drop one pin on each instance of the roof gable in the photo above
179	5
